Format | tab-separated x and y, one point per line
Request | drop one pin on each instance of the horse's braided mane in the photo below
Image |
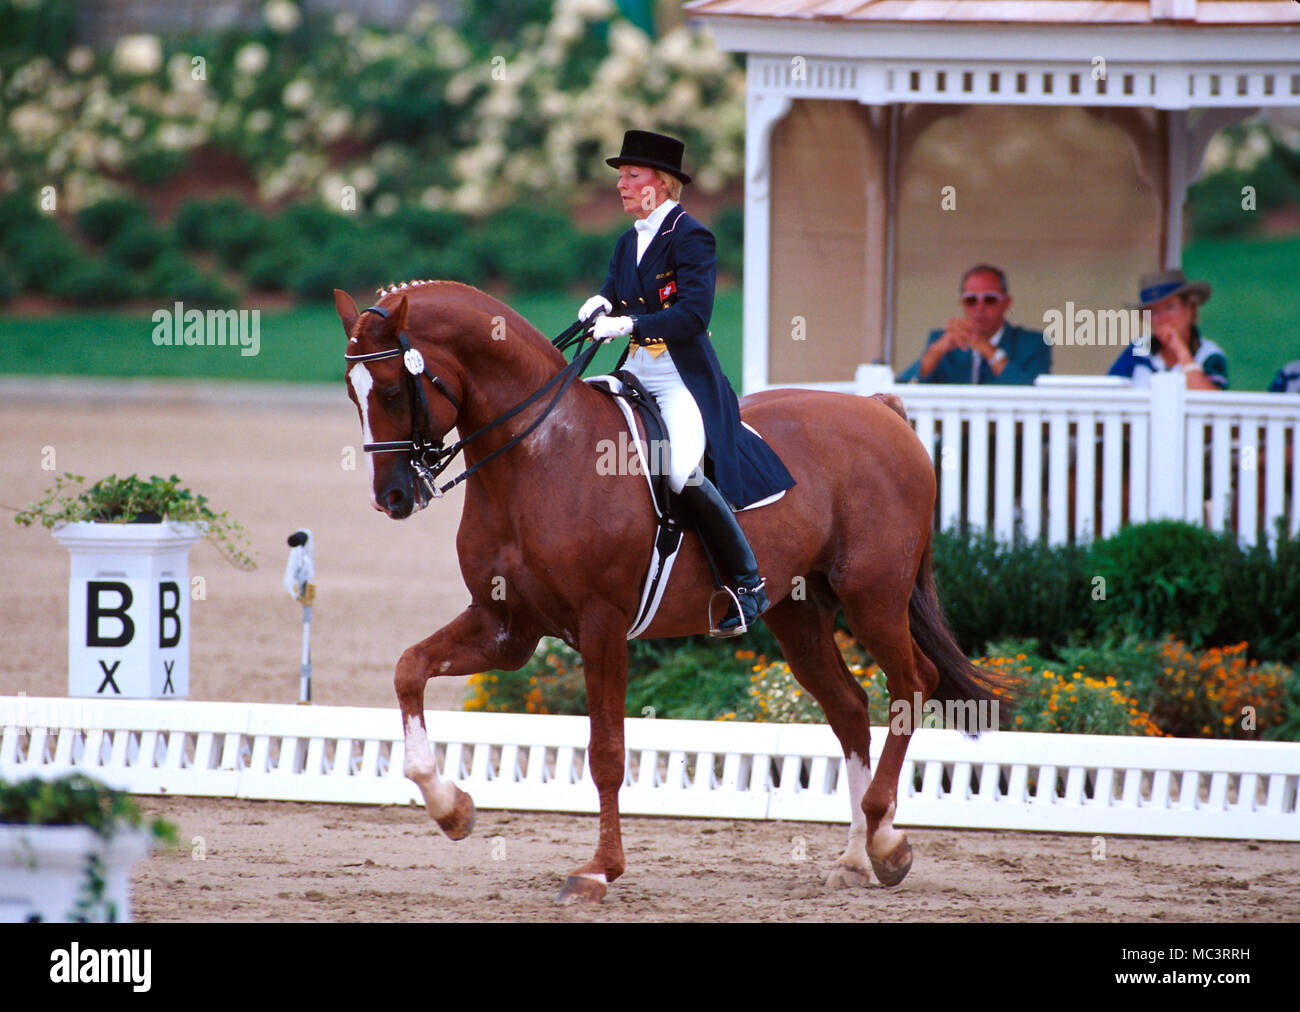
392	289
395	289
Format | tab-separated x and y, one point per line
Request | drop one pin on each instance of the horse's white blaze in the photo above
362	383
421	766
855	854
887	837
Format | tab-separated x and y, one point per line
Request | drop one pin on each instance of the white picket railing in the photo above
1003	780
1006	454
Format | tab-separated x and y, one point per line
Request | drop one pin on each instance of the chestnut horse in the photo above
573	545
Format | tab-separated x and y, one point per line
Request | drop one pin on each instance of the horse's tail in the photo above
959	679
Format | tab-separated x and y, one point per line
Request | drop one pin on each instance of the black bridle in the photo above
428	457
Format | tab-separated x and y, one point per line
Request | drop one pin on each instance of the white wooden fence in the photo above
1003	780
1076	459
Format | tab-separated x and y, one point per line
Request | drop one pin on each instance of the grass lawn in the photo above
303	344
1254	309
1253	316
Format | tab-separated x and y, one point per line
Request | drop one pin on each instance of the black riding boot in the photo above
719	527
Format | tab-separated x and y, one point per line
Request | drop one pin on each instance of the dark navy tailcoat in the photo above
670	296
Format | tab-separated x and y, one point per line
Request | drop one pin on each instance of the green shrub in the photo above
41	254
432	229
1132	661
138	245
234	237
1261	589
95	283
18	209
174	278
269	269
102	221
993	590
592	252
310	223
531	248
694	681
8	282
1163	577
360	258
693	678
31	29
152	165
1287	727
1214	201
457	262
198	221
729	230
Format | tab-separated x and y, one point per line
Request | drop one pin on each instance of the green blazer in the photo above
1028	355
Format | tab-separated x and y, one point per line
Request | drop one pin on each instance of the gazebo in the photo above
893	143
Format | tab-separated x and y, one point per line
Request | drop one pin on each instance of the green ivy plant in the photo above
77	800
137	500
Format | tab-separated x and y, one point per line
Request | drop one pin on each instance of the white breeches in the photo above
681	414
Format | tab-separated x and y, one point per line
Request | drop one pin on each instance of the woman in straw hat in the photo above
1176	343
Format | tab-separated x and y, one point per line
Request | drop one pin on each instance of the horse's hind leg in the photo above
806	631
476	640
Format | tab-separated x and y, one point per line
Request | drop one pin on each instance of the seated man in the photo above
1287	380
1176	343
980	346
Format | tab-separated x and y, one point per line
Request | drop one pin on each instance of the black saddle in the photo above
674	515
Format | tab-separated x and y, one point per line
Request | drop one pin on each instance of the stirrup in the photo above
755	593
716	630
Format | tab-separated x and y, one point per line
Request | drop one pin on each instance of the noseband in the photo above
428	456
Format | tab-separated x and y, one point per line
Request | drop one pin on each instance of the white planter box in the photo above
129	609
44	873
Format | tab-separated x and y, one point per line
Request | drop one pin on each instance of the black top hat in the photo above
641	147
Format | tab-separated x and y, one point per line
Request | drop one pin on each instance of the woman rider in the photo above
661	279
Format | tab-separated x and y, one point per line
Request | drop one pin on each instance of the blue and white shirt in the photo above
1287	380
1140	366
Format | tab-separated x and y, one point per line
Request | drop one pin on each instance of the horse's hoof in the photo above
580	889
460	823
894	868
845	876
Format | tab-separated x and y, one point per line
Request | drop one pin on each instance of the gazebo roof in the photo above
1046	12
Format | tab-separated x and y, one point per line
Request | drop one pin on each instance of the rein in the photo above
428	456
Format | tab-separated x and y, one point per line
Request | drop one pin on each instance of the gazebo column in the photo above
764	112
1188	141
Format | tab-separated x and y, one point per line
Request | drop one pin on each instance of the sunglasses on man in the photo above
975	298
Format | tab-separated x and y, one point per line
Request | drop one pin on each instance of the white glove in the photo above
594	305
609	327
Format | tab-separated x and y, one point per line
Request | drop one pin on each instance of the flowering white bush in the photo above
482	123
140	55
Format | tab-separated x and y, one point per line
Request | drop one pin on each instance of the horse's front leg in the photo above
476	640
603	645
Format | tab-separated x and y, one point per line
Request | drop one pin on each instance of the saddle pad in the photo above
668	538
